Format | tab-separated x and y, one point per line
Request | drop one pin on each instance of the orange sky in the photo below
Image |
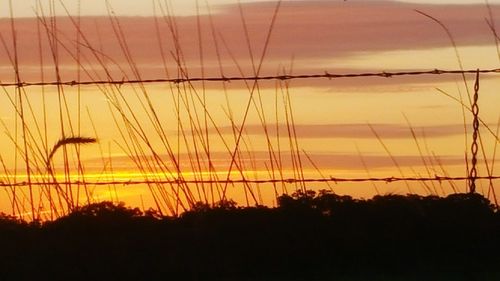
331	117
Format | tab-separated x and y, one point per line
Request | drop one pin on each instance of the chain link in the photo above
475	134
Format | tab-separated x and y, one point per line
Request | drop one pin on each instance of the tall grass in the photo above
167	155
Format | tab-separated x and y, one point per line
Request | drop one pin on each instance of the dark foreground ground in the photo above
308	237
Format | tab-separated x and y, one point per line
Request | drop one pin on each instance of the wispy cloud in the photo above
309	31
260	160
354	131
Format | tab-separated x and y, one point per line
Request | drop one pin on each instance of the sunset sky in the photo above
144	8
336	121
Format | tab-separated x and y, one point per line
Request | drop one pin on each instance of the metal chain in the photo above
475	134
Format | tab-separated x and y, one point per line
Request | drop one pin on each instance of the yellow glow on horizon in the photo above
124	176
441	58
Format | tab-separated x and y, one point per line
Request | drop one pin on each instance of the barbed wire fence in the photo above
325	75
256	181
471	178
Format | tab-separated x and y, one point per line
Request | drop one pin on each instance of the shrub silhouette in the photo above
309	236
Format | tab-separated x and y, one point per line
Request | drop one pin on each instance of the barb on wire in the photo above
256	181
326	75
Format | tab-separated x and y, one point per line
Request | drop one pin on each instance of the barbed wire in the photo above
251	181
325	75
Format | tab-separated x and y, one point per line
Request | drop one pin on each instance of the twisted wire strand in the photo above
475	134
255	181
325	75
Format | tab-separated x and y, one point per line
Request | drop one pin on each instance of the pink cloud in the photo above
304	29
355	131
260	161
